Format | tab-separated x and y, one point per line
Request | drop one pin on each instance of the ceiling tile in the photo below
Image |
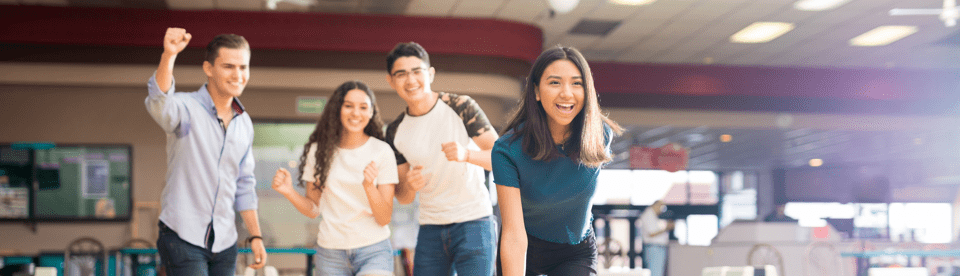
485	8
337	6
652	46
290	7
561	23
578	41
681	52
663	9
724	51
431	7
629	33
611	11
594	27
707	12
190	4
245	5
527	11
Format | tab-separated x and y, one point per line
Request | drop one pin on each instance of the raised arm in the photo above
308	206
174	42
166	111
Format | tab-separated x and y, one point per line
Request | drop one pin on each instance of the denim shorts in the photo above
374	259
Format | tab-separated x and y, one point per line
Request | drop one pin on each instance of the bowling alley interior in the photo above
759	137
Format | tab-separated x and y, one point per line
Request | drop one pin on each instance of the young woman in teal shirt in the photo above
545	166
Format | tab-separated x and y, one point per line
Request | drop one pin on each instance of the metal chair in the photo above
822	259
129	262
763	254
84	252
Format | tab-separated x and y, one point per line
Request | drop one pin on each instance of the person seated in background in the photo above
779	215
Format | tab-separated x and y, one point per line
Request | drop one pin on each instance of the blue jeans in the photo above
182	258
374	259
466	248
655	258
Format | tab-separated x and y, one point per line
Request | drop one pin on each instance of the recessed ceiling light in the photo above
818	5
816	162
760	32
632	2
883	35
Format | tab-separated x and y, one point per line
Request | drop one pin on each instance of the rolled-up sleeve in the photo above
246	184
165	108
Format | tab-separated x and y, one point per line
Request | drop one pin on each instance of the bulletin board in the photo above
66	182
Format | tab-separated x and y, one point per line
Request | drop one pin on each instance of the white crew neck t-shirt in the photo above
347	220
455	191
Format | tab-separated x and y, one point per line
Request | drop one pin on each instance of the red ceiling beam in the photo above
852	84
269	30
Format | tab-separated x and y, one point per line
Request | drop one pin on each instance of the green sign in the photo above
310	105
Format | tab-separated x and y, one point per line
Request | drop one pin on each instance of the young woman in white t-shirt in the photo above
349	173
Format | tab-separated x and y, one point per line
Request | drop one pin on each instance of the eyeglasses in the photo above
402	75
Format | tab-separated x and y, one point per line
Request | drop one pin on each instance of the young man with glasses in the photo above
442	144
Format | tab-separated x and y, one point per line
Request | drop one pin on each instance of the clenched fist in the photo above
282	182
415	178
369	174
175	40
455	152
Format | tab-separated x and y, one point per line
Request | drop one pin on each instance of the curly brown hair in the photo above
329	130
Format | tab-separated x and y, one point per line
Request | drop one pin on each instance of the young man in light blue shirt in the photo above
209	160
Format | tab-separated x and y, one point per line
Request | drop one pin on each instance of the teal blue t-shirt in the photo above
555	195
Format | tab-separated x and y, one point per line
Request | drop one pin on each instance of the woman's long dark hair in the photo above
586	141
329	130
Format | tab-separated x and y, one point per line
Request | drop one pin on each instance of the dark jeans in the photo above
469	247
559	259
182	258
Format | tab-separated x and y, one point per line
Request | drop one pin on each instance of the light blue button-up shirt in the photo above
209	169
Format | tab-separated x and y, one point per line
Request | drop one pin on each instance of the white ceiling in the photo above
679	31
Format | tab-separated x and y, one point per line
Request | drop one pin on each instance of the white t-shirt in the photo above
347	220
651	223
455	191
